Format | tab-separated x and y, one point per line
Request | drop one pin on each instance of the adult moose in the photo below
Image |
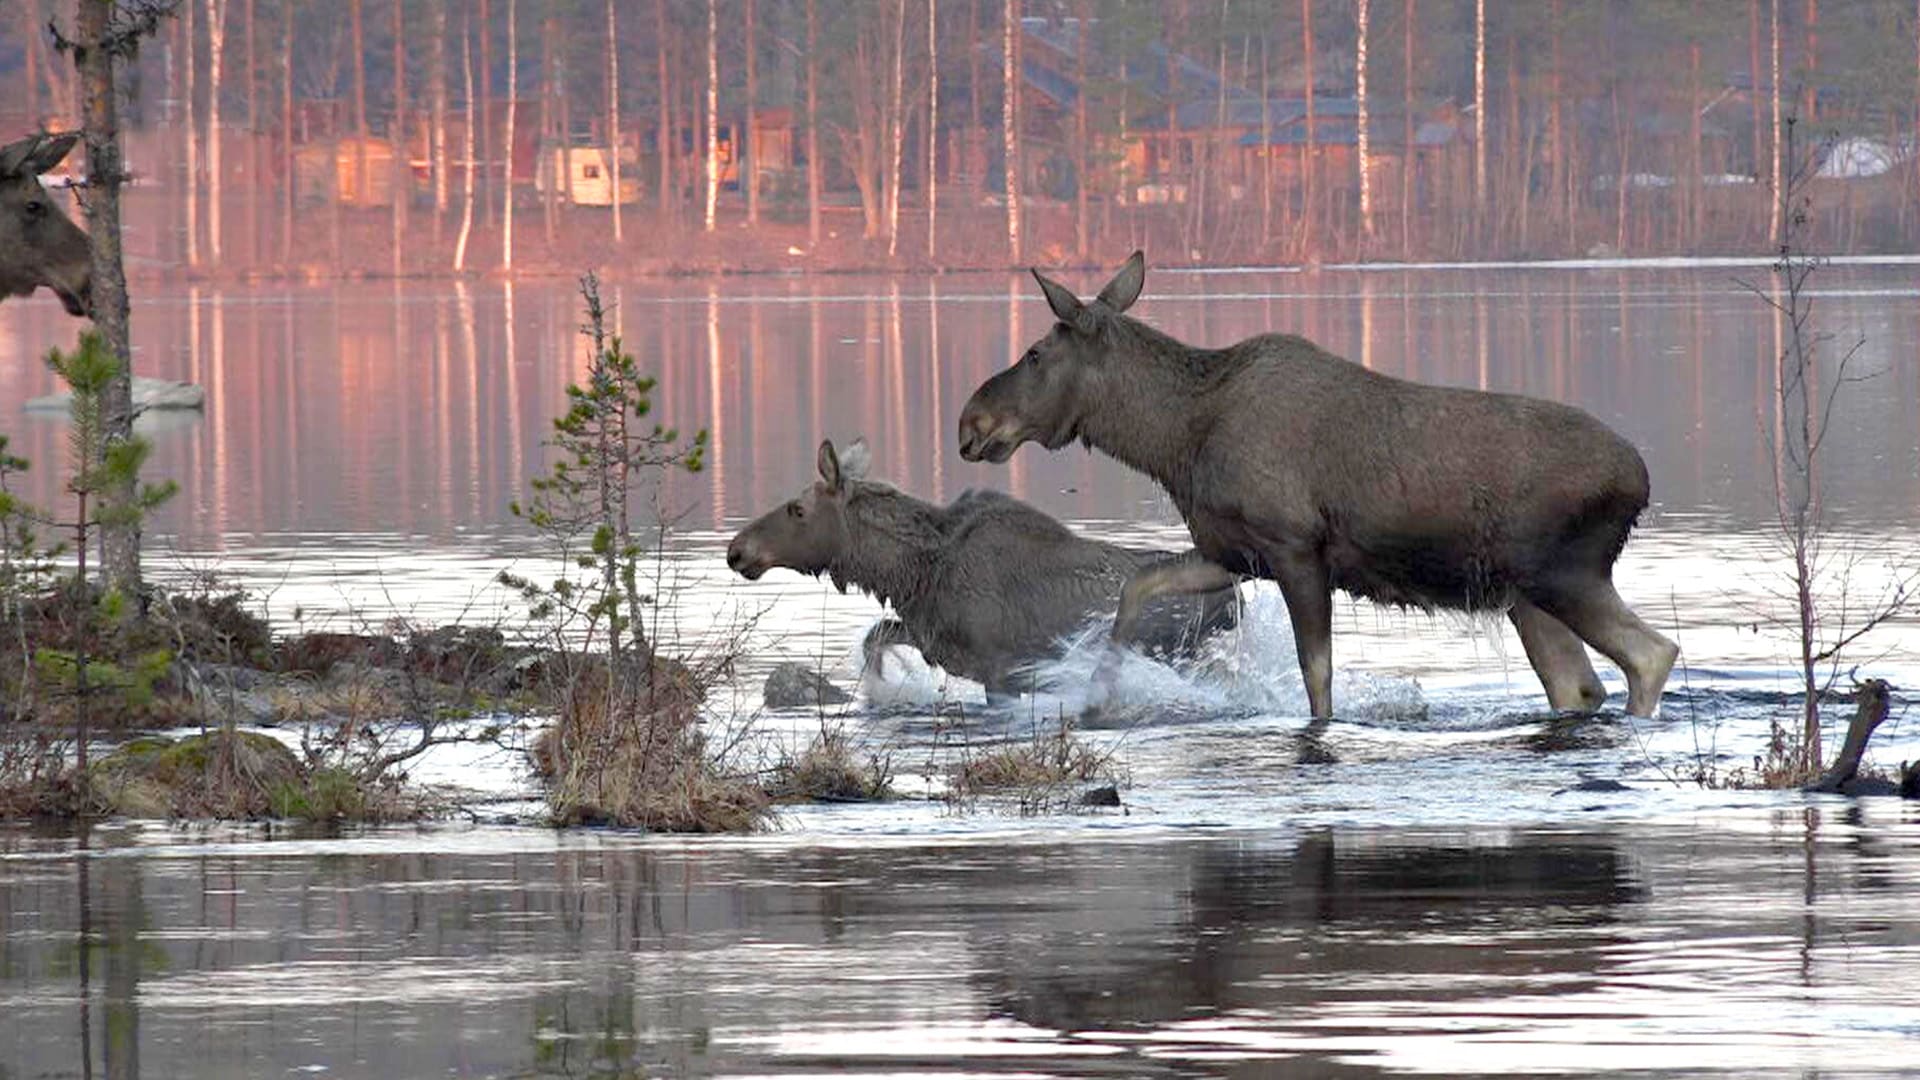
983	586
1292	464
39	244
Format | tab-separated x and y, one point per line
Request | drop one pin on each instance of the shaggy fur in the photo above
983	586
39	244
1293	464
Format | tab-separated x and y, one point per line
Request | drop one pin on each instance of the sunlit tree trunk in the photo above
1360	118
1310	152
813	129
253	133
664	138
1562	198
471	149
289	181
216	13
486	107
1773	220
549	110
896	125
1010	121
1810	93
362	189
713	112
745	151
438	122
933	127
506	154
1266	145
613	116
402	172
1406	136
1696	166
192	185
1480	117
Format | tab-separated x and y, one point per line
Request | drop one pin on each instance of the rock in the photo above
793	686
1105	795
156	395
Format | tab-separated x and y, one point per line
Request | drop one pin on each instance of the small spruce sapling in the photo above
100	465
606	447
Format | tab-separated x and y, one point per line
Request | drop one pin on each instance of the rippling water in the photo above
1426	885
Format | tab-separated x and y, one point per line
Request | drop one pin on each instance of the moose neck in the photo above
1143	402
892	538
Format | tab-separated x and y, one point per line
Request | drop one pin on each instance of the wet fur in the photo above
986	585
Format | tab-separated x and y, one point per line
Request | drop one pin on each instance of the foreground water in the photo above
1430	884
1720	942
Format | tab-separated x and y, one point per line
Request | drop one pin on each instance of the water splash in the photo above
1252	670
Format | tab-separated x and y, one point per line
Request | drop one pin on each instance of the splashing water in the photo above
1252	670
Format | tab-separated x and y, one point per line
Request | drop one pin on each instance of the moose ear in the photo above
36	154
829	465
856	461
1066	306
1125	287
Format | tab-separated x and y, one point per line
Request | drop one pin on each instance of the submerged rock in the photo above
793	686
155	395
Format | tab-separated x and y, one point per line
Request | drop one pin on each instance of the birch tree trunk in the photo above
193	140
546	144
471	150
1773	220
896	125
664	136
1407	157
1480	118
1310	154
933	126
402	172
289	189
506	154
216	13
613	116
362	189
438	122
253	135
813	129
1010	122
713	111
1361	134
744	149
1083	14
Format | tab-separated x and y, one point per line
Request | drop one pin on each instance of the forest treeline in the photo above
417	136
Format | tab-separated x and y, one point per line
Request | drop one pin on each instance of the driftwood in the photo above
1842	777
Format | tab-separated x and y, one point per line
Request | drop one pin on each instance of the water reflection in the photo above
1764	947
419	409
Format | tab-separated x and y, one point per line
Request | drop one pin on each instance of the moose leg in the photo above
1181	575
1560	659
1309	596
883	635
1594	610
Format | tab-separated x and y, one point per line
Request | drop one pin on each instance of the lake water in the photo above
1416	887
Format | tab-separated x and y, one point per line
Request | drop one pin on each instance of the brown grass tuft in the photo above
639	759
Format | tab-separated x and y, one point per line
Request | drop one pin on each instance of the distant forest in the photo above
322	137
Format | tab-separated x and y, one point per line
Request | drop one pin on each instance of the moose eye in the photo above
35	208
795	510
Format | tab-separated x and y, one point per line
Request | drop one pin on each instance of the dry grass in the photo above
639	759
829	770
1045	774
